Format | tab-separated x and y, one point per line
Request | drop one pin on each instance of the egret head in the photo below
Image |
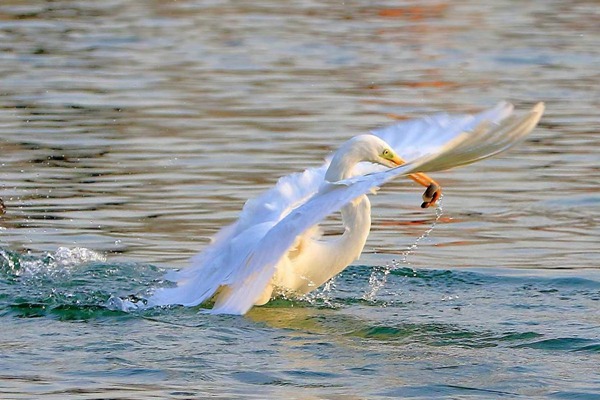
388	157
361	148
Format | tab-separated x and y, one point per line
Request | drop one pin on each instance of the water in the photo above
131	131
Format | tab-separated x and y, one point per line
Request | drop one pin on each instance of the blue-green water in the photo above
131	131
429	333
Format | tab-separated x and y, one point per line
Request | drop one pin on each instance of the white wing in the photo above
485	140
216	264
416	138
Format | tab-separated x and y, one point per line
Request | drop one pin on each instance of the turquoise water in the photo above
130	132
428	333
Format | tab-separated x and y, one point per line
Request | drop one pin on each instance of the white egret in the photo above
276	246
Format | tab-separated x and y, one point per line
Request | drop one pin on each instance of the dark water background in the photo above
131	131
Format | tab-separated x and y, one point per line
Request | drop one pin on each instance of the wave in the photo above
68	283
436	307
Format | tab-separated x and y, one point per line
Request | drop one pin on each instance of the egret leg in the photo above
433	191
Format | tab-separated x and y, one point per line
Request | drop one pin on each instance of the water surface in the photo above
130	132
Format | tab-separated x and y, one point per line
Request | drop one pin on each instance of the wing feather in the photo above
415	138
218	262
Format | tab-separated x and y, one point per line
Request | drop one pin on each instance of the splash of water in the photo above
379	275
69	283
322	296
51	265
127	304
411	249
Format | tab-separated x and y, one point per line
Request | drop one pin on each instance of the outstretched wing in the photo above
418	137
485	137
217	264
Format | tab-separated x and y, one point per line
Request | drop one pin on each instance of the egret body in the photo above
276	246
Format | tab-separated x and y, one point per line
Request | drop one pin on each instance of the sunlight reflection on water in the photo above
106	141
138	129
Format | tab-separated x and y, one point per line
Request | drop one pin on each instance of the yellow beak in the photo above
397	160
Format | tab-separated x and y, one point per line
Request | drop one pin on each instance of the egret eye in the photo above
387	153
